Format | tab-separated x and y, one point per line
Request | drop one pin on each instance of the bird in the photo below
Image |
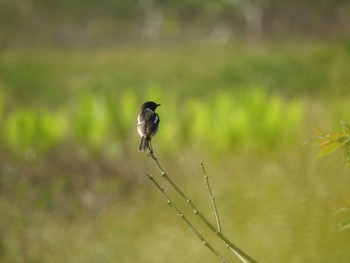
147	125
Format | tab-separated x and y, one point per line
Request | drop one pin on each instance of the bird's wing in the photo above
153	124
148	121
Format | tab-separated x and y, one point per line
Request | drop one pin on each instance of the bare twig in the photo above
212	199
243	260
217	214
157	163
183	217
228	243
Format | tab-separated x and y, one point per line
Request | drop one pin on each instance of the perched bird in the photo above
147	125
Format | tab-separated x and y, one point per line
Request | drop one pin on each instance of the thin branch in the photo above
157	163
228	243
237	254
212	199
217	214
183	217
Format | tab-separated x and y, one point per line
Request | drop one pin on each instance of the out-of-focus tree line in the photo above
66	22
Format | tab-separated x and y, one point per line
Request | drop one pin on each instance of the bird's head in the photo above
150	105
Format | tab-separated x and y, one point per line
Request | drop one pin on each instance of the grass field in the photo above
73	186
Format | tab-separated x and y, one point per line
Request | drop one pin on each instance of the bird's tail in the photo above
144	144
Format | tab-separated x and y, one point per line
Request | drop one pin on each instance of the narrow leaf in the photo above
344	139
314	139
334	136
328	149
345	224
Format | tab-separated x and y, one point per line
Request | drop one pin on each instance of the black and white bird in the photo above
147	125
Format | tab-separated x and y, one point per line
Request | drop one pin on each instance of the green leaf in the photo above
314	139
344	139
329	148
334	136
345	224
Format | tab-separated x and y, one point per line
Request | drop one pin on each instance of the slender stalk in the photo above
216	212
243	260
183	217
228	243
212	199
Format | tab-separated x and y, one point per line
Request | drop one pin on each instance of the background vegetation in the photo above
239	96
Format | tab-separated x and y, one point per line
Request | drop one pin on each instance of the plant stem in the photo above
228	243
212	199
183	217
217	214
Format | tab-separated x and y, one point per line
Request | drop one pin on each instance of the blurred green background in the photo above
242	84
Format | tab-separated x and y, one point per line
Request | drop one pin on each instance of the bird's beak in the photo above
158	105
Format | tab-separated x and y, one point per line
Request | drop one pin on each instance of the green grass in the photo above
73	186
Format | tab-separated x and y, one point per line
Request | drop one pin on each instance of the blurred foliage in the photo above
73	75
90	23
71	179
344	224
328	144
332	142
48	78
225	122
91	99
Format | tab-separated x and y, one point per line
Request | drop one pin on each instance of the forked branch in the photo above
244	257
217	214
184	218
